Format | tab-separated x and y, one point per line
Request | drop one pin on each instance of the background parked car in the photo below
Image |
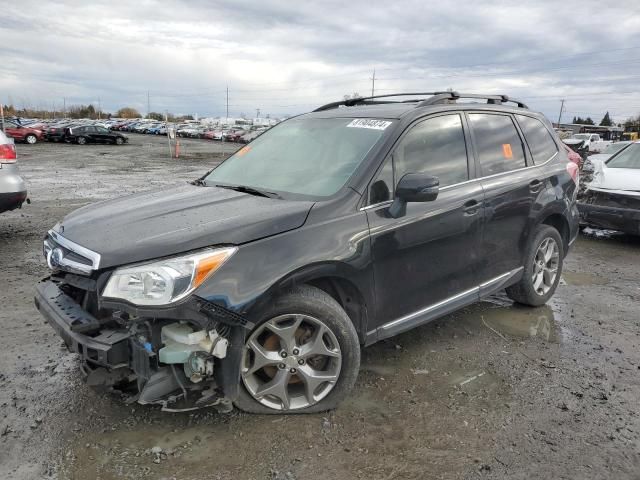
93	134
13	191
22	133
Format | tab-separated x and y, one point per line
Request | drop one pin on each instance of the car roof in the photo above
400	110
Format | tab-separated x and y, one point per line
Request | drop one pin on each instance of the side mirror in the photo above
414	187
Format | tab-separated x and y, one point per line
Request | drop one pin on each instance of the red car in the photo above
21	133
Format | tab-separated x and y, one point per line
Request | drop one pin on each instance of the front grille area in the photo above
595	197
62	254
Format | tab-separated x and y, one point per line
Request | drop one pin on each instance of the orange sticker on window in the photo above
243	150
506	150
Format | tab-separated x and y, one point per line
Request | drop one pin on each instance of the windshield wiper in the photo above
250	190
199	182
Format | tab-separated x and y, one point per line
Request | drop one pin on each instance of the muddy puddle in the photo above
580	279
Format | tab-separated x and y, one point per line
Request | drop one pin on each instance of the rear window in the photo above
539	140
498	143
627	158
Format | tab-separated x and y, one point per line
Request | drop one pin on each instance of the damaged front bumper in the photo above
124	353
610	210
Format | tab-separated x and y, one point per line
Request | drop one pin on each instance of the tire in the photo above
298	310
527	291
119	141
31	139
81	140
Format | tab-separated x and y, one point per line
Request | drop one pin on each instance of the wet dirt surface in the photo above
492	391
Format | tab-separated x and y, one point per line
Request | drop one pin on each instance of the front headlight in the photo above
165	281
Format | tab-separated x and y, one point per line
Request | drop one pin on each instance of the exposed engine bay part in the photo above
194	349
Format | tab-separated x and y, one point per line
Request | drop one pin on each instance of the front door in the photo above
429	255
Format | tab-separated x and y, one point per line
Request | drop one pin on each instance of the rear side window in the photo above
436	147
538	138
498	142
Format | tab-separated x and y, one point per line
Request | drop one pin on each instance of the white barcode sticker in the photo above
369	123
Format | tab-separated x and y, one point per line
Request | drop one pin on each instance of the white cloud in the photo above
285	57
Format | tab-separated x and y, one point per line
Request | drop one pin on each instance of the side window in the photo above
381	188
436	147
90	129
538	138
10	125
498	142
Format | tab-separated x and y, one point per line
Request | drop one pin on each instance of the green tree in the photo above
606	120
128	112
155	116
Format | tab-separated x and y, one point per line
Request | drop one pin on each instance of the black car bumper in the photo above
11	201
626	220
108	348
113	358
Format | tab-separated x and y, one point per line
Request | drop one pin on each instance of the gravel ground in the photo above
493	391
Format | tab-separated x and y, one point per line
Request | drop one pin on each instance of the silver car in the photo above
13	190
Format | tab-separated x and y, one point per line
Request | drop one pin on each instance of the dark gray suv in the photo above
258	283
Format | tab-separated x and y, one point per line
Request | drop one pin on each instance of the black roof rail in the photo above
435	98
444	97
350	102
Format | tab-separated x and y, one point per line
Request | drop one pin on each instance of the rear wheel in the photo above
31	139
81	140
302	357
542	269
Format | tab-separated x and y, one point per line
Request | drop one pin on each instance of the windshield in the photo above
628	158
582	136
310	156
614	147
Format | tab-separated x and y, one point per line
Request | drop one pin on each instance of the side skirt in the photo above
444	307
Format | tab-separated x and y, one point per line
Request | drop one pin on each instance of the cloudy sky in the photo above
287	57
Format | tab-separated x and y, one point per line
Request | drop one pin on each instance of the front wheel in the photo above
81	140
31	139
302	357
119	140
542	268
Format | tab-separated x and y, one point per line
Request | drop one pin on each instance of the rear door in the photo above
510	189
430	254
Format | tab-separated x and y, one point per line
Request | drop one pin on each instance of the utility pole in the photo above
148	104
64	107
99	109
227	103
257	113
561	109
373	83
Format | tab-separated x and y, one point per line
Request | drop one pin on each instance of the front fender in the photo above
339	247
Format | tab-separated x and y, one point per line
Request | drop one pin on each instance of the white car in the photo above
588	142
612	199
607	153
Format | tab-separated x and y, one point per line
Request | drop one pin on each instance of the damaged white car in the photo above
612	199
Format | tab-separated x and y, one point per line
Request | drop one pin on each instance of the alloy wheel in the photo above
291	361
545	266
31	139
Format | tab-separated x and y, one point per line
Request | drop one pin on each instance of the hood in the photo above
573	142
166	222
620	179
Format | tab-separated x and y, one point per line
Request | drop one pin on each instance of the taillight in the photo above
7	153
573	170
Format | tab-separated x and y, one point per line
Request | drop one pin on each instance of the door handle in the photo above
535	186
471	207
